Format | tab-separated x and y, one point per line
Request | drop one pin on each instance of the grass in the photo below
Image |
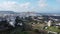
38	26
53	28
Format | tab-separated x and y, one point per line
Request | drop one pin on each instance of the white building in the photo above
49	23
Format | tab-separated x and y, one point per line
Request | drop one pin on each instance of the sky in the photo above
43	6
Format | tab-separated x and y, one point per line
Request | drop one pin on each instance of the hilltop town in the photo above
31	22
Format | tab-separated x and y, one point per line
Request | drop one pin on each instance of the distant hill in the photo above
8	12
29	13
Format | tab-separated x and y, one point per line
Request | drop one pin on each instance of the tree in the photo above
18	20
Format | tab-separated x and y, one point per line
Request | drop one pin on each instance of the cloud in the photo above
10	5
25	5
44	6
42	3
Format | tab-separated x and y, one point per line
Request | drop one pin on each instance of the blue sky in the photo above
31	5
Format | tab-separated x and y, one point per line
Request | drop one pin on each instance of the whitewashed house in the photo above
49	23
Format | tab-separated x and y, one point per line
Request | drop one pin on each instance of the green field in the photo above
53	28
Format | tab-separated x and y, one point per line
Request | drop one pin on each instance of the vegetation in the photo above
53	28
